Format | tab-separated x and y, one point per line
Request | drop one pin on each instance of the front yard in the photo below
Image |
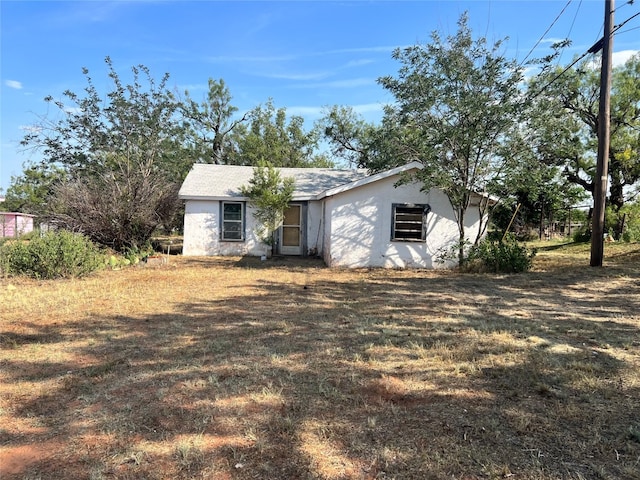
240	369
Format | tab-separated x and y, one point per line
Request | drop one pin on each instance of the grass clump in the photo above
59	254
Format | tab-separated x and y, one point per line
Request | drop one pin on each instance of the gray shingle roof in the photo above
208	181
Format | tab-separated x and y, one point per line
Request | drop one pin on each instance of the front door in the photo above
291	231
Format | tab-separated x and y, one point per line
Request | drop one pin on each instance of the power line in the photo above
618	27
571	28
595	48
630	2
629	30
546	31
561	73
574	19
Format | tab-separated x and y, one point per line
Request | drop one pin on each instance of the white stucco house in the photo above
350	218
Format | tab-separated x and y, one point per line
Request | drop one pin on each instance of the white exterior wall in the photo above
349	229
315	235
202	232
358	227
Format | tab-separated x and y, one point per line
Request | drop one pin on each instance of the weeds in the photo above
58	254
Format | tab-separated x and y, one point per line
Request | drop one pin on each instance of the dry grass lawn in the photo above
236	369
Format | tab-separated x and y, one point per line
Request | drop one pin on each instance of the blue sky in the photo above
305	55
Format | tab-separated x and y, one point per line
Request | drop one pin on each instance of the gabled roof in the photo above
371	179
222	182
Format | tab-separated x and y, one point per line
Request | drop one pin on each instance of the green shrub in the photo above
507	256
59	254
631	235
582	235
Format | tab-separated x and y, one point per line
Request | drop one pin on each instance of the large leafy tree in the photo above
30	192
456	101
358	143
564	116
535	191
280	140
350	138
211	122
121	155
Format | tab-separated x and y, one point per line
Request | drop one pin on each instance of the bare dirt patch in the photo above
240	369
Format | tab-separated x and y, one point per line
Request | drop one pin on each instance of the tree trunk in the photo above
461	237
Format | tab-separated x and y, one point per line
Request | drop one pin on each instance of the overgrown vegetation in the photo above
58	254
499	256
628	218
239	369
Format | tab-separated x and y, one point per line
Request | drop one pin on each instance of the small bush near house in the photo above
59	254
505	256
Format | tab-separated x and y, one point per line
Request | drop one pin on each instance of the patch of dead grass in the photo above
238	369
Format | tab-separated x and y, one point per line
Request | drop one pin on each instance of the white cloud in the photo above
30	128
368	108
617	59
194	87
13	84
305	111
358	63
247	59
346	83
621	57
296	76
365	109
552	40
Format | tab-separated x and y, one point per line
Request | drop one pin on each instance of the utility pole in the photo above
602	169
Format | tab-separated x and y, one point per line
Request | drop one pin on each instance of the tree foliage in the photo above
119	209
211	122
281	141
31	191
538	190
350	138
269	195
564	117
122	158
457	100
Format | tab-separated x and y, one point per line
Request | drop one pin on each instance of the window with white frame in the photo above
232	214
408	223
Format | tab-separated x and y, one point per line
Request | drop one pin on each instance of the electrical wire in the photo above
560	74
618	27
546	31
594	49
571	29
574	19
630	2
628	30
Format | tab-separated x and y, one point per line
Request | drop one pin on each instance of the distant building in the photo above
14	224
